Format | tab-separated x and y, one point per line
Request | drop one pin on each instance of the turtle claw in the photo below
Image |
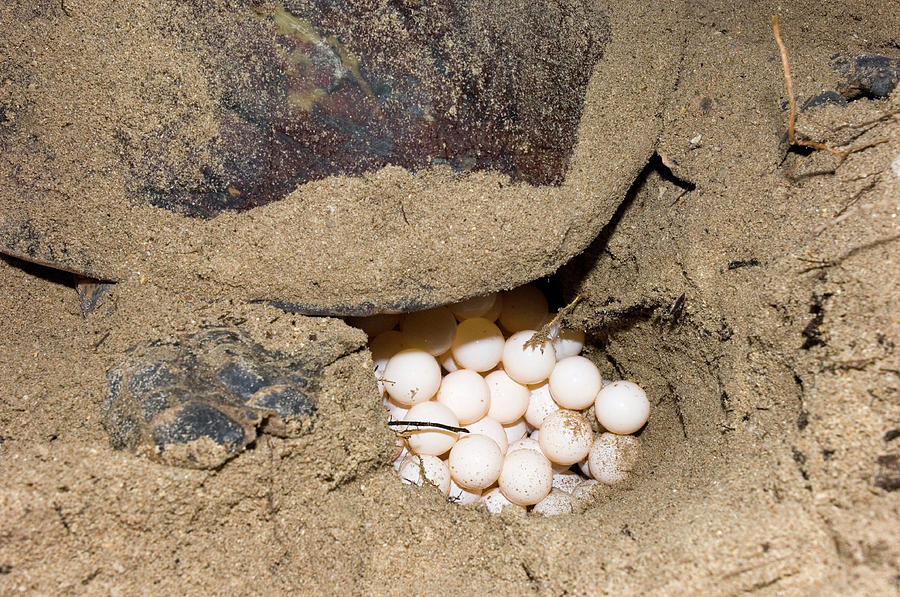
202	400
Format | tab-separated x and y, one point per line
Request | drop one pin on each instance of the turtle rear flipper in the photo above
201	401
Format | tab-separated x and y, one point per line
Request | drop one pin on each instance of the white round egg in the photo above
540	405
524	308
411	376
509	398
395	411
568	343
383	347
526	443
622	407
477	345
465	393
476	306
436	472
556	503
463	497
430	440
575	382
516	430
496	502
432	330
614	457
475	462
566	437
526	477
490	427
527	365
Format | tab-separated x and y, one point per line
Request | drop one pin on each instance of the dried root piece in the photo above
550	329
789	82
792	118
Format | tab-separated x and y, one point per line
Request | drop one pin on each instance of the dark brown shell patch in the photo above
312	90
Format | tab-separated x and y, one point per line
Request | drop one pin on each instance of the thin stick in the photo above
550	329
789	82
427	424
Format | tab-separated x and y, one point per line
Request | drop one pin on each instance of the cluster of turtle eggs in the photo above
527	409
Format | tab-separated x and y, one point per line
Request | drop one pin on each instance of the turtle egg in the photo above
496	502
411	376
475	462
474	307
565	437
401	454
613	457
375	325
466	394
527	365
556	503
524	308
490	427
516	430
478	344
431	440
622	407
395	411
432	330
383	347
526	477
568	343
494	312
463	497
540	406
436	472
575	382
566	481
509	398
588	491
447	363
526	443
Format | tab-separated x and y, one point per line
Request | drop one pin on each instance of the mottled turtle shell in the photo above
338	158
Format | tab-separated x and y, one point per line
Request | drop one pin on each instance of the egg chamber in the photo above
740	439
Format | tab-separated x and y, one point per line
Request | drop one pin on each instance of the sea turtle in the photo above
329	158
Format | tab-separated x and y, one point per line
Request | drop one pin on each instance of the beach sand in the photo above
750	288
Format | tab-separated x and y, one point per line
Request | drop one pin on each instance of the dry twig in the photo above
789	82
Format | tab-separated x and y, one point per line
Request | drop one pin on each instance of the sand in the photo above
750	288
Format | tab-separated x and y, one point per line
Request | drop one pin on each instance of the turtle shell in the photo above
338	158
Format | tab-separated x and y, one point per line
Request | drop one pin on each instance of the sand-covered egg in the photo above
566	437
528	364
475	462
526	477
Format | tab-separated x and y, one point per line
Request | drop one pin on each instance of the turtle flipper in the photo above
200	401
